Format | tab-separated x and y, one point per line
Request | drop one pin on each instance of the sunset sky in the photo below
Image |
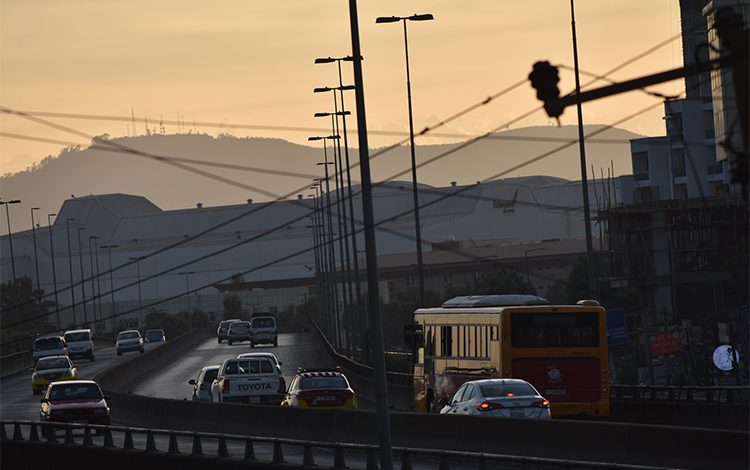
251	62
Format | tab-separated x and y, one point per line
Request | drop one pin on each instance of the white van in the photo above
263	331
80	343
49	346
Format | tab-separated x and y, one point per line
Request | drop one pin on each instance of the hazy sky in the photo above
251	62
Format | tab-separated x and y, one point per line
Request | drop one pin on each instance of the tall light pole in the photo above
584	179
111	278
70	266
10	235
83	276
187	295
331	234
373	291
341	89
36	258
54	273
526	261
94	291
417	226
137	260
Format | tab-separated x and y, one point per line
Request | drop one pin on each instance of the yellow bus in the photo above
560	349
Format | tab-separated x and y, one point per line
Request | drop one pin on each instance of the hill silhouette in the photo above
122	165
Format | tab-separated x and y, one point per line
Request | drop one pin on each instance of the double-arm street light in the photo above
83	276
10	234
137	260
36	258
54	273
417	226
70	266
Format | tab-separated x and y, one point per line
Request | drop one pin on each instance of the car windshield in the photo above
128	335
155	333
47	343
64	392
264	323
507	389
239	328
78	336
312	383
226	323
52	363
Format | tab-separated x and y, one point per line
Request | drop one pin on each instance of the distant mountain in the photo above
154	166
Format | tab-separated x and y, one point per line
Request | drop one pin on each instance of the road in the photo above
294	350
17	401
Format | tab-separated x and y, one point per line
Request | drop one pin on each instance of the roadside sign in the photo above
617	329
665	343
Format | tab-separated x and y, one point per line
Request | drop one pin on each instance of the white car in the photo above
513	398
129	340
80	343
264	331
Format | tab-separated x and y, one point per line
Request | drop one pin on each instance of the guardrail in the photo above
695	394
283	453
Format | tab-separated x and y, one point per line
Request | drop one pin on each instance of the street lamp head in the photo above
387	19
317	137
322	114
347	87
423	17
322	89
324	60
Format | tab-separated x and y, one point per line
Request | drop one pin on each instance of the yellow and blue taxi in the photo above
320	388
52	369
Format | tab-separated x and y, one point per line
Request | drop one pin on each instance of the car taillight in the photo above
225	386
541	404
486	406
282	385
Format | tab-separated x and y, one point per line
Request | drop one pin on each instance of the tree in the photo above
22	316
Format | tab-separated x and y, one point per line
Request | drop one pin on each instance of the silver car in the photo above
238	331
202	384
223	329
129	340
512	398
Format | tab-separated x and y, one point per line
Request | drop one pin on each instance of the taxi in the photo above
320	388
52	369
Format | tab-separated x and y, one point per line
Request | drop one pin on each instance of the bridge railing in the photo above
694	394
274	451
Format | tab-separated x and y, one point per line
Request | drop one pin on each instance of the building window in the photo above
644	194
675	127
678	162
640	165
708	124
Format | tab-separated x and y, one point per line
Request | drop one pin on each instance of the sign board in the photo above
665	343
617	329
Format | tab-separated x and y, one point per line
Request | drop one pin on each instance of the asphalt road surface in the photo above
18	402
294	350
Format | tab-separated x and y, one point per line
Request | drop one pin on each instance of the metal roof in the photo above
471	301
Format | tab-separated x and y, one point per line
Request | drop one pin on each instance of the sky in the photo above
251	63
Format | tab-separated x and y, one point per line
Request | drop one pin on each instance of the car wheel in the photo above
219	339
91	358
141	350
276	343
252	345
119	353
229	342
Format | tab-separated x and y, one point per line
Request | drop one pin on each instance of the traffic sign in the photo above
617	329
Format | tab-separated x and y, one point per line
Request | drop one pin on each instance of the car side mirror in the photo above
107	397
281	363
191	382
44	400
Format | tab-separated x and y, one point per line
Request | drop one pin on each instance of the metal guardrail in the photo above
320	454
693	394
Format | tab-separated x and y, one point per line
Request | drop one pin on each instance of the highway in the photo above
294	350
17	401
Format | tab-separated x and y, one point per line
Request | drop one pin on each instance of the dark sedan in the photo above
74	401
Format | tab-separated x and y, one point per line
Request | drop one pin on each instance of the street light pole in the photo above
111	278
187	296
368	216
83	284
137	260
54	274
10	235
70	266
95	291
584	179
36	258
417	223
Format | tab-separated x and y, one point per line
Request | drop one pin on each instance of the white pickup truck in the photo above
254	380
